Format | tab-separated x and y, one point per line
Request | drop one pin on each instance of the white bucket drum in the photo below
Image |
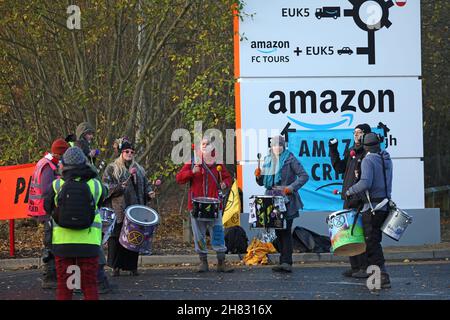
108	221
396	223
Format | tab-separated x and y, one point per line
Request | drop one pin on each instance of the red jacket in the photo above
200	180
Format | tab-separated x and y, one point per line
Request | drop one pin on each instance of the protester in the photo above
77	231
375	185
85	135
206	181
284	173
47	170
128	185
350	166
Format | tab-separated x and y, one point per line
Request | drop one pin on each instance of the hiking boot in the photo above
221	266
134	273
360	274
284	267
349	272
385	281
203	267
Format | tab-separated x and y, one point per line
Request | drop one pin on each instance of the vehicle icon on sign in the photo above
345	50
328	12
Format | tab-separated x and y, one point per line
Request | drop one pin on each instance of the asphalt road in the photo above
421	280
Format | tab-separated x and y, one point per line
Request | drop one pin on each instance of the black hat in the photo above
371	139
364	127
125	144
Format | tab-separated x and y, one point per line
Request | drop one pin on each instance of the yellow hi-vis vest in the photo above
91	235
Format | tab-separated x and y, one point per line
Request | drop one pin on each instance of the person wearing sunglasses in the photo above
350	166
127	184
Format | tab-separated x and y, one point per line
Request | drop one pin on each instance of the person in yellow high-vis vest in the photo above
77	227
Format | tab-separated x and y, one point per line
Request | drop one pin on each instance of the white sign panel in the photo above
269	107
299	38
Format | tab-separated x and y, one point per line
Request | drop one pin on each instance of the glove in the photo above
287	191
333	143
257	172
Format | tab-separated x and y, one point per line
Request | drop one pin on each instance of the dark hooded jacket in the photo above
351	168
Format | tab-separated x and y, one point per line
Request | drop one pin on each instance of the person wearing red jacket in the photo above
206	177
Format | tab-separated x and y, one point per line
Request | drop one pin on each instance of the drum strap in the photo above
384	175
358	211
212	175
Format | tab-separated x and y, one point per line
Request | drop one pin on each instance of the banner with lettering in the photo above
311	149
14	189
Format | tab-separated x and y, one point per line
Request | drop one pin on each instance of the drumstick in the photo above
259	160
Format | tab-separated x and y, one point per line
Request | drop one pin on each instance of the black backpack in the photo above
236	240
75	208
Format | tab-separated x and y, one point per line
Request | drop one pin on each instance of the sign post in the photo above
11	238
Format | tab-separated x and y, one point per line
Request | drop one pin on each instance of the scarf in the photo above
272	168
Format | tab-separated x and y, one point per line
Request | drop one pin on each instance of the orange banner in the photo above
14	190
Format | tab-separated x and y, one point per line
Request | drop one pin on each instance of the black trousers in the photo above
372	232
285	242
359	261
118	256
47	255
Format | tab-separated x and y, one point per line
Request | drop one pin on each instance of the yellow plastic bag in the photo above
257	252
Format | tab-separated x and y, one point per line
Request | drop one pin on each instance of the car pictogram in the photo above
345	50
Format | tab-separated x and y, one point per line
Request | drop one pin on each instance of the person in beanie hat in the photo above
350	166
45	172
85	135
283	175
75	246
59	146
74	159
374	186
128	185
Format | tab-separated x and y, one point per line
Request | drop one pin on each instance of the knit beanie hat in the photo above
278	141
125	144
364	127
371	142
59	146
74	156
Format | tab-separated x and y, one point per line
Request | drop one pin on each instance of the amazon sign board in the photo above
298	38
309	112
312	70
281	106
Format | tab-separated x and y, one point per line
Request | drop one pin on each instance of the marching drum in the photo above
396	223
267	212
205	208
344	242
108	220
138	227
